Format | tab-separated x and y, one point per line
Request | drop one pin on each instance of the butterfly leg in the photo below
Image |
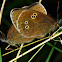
7	48
58	25
60	40
56	32
16	46
50	34
2	33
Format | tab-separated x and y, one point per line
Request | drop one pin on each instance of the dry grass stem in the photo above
1	12
36	53
40	1
32	42
36	46
19	51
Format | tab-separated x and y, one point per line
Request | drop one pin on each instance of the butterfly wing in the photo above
22	25
38	7
14	14
14	37
40	25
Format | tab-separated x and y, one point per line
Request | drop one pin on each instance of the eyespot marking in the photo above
33	16
26	22
27	27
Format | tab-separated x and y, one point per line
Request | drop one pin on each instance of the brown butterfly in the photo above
28	23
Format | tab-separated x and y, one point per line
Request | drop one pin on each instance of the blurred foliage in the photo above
0	56
42	56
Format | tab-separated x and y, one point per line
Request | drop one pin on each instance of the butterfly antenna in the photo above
57	10
1	33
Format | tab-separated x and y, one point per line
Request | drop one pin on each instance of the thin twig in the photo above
36	46
1	12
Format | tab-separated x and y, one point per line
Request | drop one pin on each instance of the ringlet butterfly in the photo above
28	23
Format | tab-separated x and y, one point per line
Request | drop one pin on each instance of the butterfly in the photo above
28	23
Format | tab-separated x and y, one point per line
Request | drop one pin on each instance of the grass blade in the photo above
0	56
36	53
51	52
54	47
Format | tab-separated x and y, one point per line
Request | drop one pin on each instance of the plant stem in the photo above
40	1
51	52
0	56
36	47
1	12
19	51
36	53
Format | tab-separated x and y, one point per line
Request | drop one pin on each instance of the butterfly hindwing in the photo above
14	14
14	37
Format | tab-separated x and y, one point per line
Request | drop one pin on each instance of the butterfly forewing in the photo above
40	25
38	7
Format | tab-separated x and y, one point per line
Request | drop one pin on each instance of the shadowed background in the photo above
51	7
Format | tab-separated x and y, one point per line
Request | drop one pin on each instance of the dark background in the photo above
51	7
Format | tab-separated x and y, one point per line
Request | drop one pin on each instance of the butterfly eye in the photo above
33	16
26	27
26	22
